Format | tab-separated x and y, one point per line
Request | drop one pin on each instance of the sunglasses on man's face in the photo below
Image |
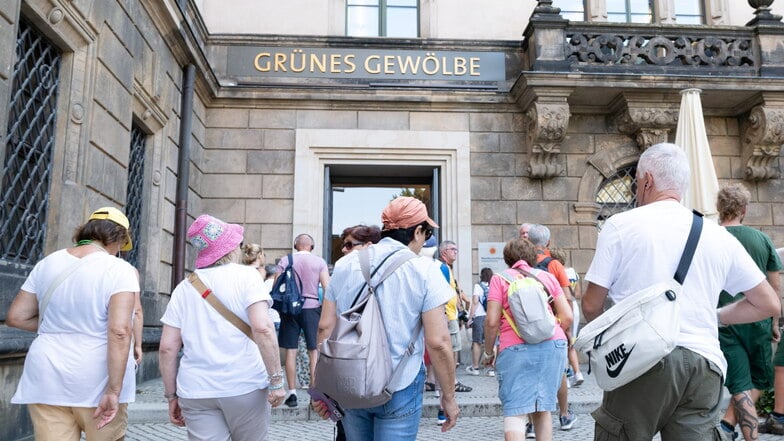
350	245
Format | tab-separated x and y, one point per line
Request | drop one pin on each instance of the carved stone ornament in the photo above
762	138
649	125
547	123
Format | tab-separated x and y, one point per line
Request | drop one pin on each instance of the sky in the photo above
359	205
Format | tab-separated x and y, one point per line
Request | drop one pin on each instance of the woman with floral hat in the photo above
226	381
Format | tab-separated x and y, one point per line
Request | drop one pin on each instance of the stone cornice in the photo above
647	118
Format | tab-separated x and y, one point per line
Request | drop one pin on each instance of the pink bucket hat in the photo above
213	238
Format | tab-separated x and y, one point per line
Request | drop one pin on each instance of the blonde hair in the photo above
558	254
233	256
251	252
731	201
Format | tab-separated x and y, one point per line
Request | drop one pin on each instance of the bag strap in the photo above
206	294
58	281
691	246
364	264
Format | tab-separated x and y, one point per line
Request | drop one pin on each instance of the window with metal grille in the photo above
27	159
135	191
382	18
617	193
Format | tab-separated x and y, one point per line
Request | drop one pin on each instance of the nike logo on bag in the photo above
618	358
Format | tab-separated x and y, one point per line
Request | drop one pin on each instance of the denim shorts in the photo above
529	376
478	330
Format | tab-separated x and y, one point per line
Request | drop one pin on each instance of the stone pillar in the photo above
544	40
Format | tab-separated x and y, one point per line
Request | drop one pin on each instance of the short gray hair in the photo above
539	235
668	165
444	245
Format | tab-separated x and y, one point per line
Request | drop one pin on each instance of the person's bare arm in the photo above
327	320
324	279
439	347
23	313
758	303
593	301
118	348
138	327
563	310
267	340
169	347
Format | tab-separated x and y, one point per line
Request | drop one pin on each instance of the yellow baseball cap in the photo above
116	216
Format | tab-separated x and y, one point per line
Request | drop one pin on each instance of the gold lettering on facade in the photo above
473	62
262	66
349	60
334	63
372	59
280	62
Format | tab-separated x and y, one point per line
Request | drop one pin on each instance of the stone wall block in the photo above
723	167
545	213
724	146
270	211
326	119
716	126
778	216
577	144
485	188
563	236
238	186
278	139
494	164
486	233
492	212
440	121
581	261
521	189
272	119
733	127
588	234
576	165
737	168
226	209
237	118
199	131
491	122
758	215
224	161
116	57
484	142
276	240
587	124
110	136
234	138
383	120
277	186
271	161
609	141
560	189
512	142
113	97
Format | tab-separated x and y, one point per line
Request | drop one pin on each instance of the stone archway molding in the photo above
603	164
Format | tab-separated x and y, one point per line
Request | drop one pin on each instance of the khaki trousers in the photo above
65	423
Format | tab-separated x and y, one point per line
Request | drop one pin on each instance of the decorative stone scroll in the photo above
639	50
547	124
763	135
648	124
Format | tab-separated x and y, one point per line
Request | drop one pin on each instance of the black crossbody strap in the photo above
691	246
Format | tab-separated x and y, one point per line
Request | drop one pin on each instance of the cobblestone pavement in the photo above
480	420
476	428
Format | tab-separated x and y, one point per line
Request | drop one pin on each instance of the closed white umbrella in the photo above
692	137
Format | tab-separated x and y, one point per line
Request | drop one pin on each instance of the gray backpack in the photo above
354	365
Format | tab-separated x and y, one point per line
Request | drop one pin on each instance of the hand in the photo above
776	335
137	354
107	409
470	322
321	408
175	413
451	411
276	397
488	361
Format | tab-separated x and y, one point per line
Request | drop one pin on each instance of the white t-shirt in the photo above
480	294
218	360
66	363
274	315
643	246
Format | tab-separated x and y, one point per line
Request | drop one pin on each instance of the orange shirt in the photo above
555	268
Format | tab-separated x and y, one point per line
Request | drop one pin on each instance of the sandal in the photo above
460	387
429	387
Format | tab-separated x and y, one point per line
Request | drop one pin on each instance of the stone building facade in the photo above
553	113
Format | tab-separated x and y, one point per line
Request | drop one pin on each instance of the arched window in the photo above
617	193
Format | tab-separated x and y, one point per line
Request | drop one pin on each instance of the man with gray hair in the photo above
524	230
641	247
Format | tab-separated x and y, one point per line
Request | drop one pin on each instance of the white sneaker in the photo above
578	379
529	431
438	393
472	370
491	372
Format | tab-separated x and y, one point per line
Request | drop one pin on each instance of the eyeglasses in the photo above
428	232
452	249
350	245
